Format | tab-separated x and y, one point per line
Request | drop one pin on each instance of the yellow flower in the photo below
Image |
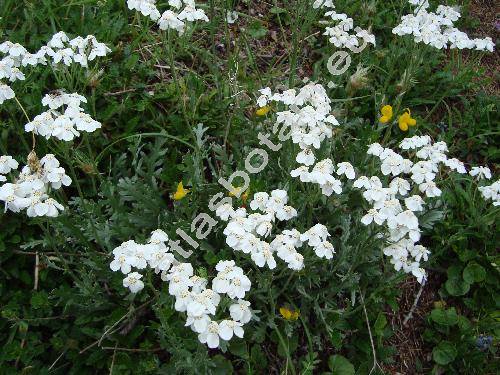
289	314
386	114
236	191
263	110
180	192
405	120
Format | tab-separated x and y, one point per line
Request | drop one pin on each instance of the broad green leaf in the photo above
474	273
340	365
444	353
445	317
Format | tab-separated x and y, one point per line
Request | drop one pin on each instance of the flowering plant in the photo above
323	221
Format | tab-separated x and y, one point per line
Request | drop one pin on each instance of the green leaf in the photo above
340	365
464	323
239	348
474	273
457	287
380	324
256	30
39	300
445	317
222	365
444	353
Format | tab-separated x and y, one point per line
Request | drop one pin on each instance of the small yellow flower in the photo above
405	120
234	192
263	110
180	192
386	112
237	191
289	314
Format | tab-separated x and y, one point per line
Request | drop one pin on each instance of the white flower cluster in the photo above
30	190
340	32
65	119
308	117
190	291
436	28
402	224
310	122
243	231
60	49
322	174
181	11
491	192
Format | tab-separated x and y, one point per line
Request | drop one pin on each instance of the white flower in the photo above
400	185
423	171
276	201
306	157
240	311
231	17
170	20
362	182
122	261
436	29
133	282
315	235
415	142
199	323
419	273
392	164
159	235
239	286
414	203
430	189
480	173
63	129
63	55
211	335
17	50
373	216
229	327
302	172
7	164
259	201
419	252
58	40
375	149
84	122
224	211
491	192
6	93
455	165
324	250
14	201
322	172
190	13
346	169
406	219
264	256
58	177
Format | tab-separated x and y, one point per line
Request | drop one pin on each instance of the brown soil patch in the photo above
407	339
487	12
